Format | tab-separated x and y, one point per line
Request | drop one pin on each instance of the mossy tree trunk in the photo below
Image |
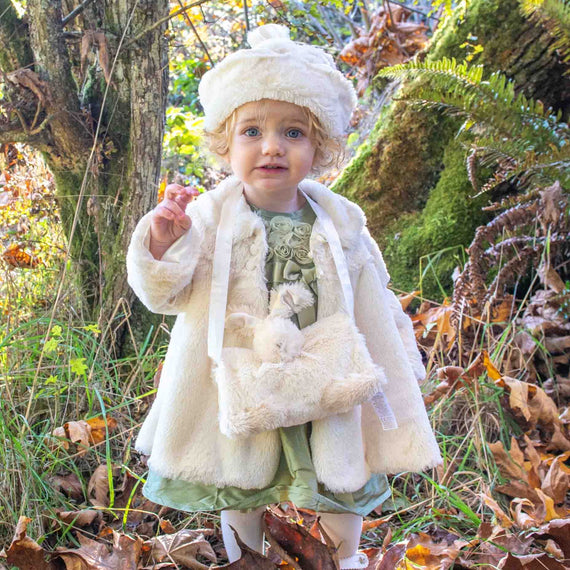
410	176
102	142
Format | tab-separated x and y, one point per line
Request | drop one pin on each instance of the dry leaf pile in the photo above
390	40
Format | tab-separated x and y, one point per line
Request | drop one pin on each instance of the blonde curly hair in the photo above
329	151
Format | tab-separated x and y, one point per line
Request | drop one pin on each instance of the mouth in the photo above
272	168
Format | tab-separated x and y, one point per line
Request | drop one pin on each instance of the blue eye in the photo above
294	133
251	132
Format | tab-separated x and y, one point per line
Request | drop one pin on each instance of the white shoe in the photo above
356	561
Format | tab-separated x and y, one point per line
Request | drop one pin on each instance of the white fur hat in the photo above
278	68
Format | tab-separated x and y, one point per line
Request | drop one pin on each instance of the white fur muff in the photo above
292	376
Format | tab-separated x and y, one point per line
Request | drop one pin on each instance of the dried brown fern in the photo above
513	241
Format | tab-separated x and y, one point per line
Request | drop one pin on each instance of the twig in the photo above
165	19
191	24
245	15
414	10
365	13
75	12
392	21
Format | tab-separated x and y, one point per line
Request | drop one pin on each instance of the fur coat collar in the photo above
347	217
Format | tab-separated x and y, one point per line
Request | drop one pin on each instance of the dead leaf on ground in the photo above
502	518
16	257
25	553
557	530
79	518
249	559
182	548
83	433
123	554
298	544
433	553
530	562
69	485
452	377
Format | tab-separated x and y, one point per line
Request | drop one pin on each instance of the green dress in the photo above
288	260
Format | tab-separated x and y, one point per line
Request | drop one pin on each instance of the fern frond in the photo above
493	104
554	15
526	141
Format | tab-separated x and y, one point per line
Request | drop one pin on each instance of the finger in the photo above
185	222
174	207
193	190
165	214
172	191
187	195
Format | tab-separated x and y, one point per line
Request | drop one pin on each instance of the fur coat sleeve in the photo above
163	285
402	320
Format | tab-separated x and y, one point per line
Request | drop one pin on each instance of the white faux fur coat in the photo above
181	432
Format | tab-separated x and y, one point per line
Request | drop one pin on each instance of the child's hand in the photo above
169	220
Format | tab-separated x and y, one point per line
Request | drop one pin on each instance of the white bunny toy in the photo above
292	376
276	338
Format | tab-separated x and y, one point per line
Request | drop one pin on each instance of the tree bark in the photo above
409	174
102	143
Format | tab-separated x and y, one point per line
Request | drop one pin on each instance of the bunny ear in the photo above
239	321
290	298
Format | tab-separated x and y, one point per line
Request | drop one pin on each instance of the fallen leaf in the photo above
250	559
25	553
167	527
530	562
16	257
494	374
559	531
405	300
432	553
296	542
69	485
392	558
99	427
501	516
79	518
98	486
556	483
124	553
182	548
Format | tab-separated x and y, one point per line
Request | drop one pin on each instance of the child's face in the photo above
281	140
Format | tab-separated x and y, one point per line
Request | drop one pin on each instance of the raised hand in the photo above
169	220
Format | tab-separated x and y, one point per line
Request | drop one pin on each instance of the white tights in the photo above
344	529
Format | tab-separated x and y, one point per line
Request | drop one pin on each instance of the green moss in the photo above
494	24
441	231
395	168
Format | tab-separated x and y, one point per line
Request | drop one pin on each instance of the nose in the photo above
272	144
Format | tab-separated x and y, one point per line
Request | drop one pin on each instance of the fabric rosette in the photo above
281	224
283	251
302	255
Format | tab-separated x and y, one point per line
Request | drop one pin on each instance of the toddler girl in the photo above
274	113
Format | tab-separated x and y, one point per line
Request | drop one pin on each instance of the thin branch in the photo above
75	12
330	27
191	24
165	19
365	13
246	15
414	10
14	132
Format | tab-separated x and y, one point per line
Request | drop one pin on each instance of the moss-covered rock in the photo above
425	247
